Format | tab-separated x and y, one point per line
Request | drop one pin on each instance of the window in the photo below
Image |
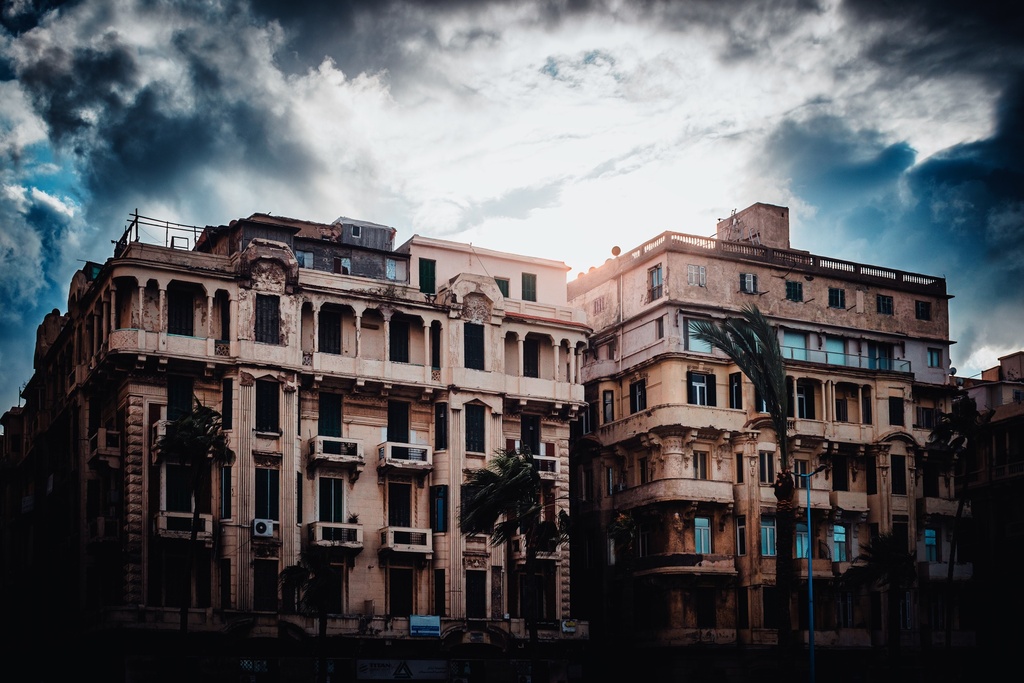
654	283
637	396
804	401
923	310
268	402
329	415
428	268
643	541
357	231
840	473
180	312
608	405
225	492
836	297
642	468
439	508
227	401
800	470
704	607
748	283
502	283
896	411
531	358
331	503
741	534
529	287
835	350
473	338
696	275
766	460
801	540
330	332
739	468
768	537
794	345
529	434
842	410
700	465
475	432
840	543
342	265
736	390
700	388
925	417
305	258
268	319
931	545
178	478
439	593
609	477
440	426
264	585
598	305
395	269
899	474
935	358
865	408
476	594
844	609
883	304
398	340
794	290
179	396
659	328
694	342
268	487
702	535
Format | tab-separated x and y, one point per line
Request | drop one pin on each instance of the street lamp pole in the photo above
810	571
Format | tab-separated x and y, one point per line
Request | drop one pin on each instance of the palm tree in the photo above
753	345
955	436
197	441
313	580
504	500
885	563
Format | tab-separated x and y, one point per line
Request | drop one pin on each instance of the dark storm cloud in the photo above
959	214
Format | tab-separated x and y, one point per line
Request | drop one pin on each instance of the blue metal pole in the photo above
810	580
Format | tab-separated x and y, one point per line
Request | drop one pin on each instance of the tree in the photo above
955	437
885	563
197	441
313	580
753	345
504	500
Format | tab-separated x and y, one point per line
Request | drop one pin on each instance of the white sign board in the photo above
401	670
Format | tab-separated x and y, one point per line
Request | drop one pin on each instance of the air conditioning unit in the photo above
263	528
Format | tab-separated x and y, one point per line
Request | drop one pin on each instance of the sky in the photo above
558	129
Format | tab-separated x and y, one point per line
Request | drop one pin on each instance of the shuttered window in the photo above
180	312
427	276
475	429
398	340
329	421
473	335
268	404
268	319
330	332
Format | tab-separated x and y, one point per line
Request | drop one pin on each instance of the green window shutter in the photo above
427	276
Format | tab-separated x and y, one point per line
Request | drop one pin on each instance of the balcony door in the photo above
399	504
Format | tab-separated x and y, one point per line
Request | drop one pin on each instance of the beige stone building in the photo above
358	383
677	450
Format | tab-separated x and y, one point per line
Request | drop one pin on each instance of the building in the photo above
995	488
672	470
358	382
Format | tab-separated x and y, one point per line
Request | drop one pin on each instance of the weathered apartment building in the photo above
358	383
678	457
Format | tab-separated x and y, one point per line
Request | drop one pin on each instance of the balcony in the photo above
547	466
849	360
686	563
407	457
336	450
939	571
336	535
666	490
104	529
401	539
179	525
850	501
940	507
105	448
519	551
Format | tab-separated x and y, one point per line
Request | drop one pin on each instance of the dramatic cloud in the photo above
890	129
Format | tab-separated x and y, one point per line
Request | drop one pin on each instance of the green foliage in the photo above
196	438
884	563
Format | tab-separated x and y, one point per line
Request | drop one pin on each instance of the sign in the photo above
568	626
401	670
426	625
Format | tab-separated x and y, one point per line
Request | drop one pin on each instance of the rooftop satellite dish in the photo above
952	371
616	251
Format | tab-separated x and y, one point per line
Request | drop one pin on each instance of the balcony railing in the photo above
519	550
405	456
336	534
401	539
105	446
845	359
547	466
335	450
179	525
